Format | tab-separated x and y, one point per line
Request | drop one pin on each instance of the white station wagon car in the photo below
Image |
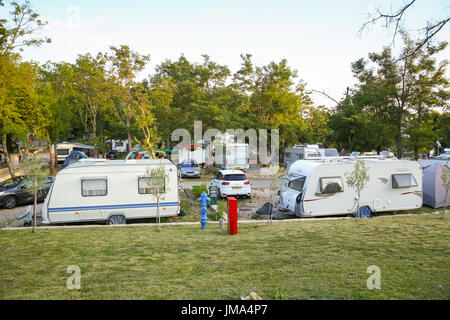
231	183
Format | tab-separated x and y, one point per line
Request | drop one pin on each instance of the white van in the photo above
109	190
318	187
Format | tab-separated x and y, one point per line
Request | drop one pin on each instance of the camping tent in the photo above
433	189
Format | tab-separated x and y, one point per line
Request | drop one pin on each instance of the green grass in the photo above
314	259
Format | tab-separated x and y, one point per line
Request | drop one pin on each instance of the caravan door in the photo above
293	194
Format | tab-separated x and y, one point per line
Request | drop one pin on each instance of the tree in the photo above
16	101
198	92
35	179
276	174
399	90
395	19
125	65
155	184
358	179
355	127
142	111
16	82
92	91
23	24
273	99
55	103
445	177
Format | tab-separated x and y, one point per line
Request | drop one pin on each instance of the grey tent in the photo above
433	188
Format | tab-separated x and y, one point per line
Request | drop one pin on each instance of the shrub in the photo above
199	189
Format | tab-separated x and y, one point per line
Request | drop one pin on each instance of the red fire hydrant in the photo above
232	215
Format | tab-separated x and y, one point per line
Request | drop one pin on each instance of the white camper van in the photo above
109	190
318	187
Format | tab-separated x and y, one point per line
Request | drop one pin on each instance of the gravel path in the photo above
8	216
255	183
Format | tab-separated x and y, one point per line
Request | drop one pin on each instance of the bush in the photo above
199	189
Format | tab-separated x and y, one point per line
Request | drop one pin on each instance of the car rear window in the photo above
235	177
189	165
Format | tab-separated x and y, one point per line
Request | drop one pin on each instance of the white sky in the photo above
318	38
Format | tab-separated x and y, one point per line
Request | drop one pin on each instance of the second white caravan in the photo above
109	190
318	188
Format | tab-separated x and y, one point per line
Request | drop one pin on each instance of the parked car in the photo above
13	192
231	183
112	154
190	169
74	156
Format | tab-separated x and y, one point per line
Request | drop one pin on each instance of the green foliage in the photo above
199	189
17	99
279	295
358	179
159	186
18	33
399	93
33	167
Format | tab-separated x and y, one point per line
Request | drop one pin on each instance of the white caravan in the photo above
231	155
65	148
308	152
119	145
109	190
318	187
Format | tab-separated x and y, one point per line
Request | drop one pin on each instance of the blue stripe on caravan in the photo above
118	206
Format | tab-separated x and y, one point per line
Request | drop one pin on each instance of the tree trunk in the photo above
102	138
94	131
35	205
128	123
399	139
52	155
6	153
157	210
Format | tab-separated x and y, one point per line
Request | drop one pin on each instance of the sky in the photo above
318	38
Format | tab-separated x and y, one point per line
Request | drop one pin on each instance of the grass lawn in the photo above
305	260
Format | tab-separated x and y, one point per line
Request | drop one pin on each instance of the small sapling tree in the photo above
35	179
358	179
154	183
276	174
445	177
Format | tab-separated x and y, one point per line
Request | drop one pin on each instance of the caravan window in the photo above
297	184
405	180
94	187
147	185
331	185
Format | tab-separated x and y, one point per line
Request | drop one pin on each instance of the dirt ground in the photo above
248	207
8	216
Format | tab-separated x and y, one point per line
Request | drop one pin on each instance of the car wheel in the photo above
10	202
219	194
117	219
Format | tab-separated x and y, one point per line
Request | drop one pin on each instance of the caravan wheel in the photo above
117	219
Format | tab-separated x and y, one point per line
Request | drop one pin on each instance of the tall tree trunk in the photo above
6	153
51	154
399	145
94	131
128	124
158	217
35	205
102	141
